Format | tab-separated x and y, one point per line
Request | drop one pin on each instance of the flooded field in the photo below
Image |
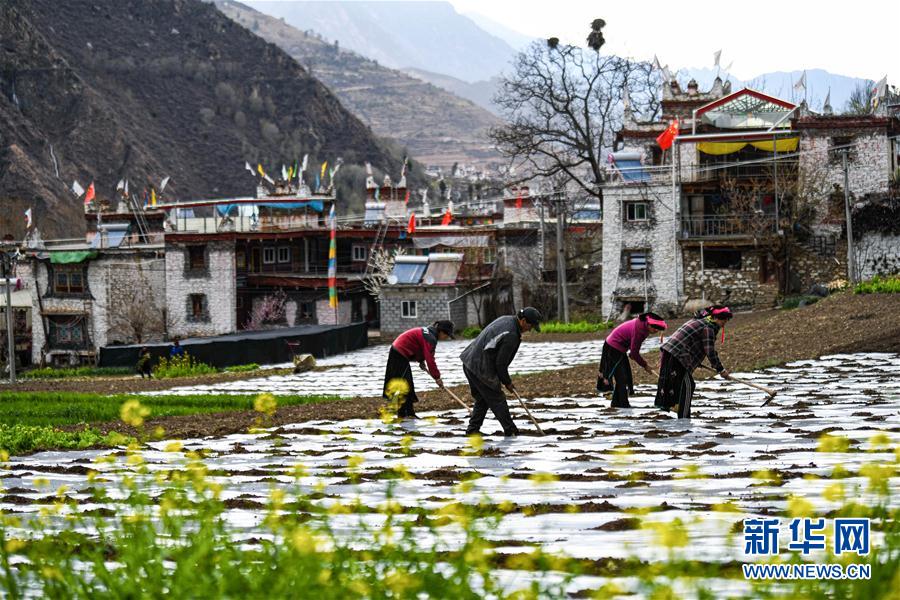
602	485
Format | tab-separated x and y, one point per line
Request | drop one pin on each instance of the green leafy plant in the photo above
575	327
470	332
181	366
879	285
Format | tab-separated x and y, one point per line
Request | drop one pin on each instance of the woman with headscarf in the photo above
623	343
684	351
415	345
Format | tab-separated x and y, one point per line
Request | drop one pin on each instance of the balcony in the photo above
727	226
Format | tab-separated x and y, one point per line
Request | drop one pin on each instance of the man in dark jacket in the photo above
486	365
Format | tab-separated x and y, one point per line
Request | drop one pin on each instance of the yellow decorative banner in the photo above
718	148
783	145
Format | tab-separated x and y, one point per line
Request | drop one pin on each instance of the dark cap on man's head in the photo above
532	316
445	326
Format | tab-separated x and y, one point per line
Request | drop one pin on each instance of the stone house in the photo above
746	206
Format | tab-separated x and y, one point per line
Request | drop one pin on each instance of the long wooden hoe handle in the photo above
528	412
761	388
455	397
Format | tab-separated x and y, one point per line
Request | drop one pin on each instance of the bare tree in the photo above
136	317
564	104
860	100
381	263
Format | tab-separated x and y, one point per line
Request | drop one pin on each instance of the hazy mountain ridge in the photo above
436	126
416	34
164	88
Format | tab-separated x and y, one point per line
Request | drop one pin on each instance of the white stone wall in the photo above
326	315
869	167
658	234
877	254
217	282
112	280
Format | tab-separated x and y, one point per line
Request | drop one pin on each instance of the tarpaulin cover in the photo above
70	257
316	205
262	347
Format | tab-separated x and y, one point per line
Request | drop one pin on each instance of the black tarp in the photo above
261	347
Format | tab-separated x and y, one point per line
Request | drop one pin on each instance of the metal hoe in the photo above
761	388
455	397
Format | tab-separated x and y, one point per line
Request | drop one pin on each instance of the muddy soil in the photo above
841	323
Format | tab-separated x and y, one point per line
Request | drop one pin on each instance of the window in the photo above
68	279
268	256
67	332
838	145
284	254
489	256
240	260
196	258
715	258
360	253
408	309
198	308
636	211
635	260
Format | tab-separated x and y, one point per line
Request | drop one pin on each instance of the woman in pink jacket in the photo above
624	342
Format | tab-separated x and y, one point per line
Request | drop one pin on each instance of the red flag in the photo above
519	201
411	228
668	136
89	194
406	200
448	216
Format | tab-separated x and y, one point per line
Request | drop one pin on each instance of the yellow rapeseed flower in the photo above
174	446
798	506
4	456
542	478
834	492
40	482
880	441
133	413
266	404
13	545
833	443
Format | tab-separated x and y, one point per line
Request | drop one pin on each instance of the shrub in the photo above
181	366
791	302
879	285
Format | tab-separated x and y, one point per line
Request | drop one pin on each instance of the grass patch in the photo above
879	285
55	373
470	332
241	368
576	327
66	408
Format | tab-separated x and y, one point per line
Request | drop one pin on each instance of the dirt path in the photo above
841	323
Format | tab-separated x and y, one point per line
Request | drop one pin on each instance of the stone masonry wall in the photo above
216	282
657	235
325	313
739	288
810	268
869	163
877	254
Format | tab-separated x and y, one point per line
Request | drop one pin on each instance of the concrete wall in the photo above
431	305
656	234
217	282
877	254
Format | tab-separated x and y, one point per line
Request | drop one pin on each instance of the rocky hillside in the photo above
436	126
99	91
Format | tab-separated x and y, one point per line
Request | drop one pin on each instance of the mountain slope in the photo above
417	34
434	125
144	90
